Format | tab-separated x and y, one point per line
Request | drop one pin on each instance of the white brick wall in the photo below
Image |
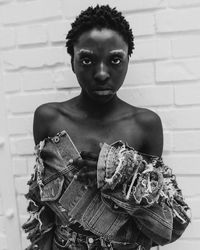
164	75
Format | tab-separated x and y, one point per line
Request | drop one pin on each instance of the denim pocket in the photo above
101	219
156	222
52	190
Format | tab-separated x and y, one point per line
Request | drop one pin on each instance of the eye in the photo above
116	60
86	61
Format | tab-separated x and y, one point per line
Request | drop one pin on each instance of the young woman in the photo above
73	204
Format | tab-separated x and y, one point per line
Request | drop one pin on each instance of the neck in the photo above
94	108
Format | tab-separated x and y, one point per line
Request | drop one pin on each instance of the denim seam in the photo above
130	208
155	217
158	218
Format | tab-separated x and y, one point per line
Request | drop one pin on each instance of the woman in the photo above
76	203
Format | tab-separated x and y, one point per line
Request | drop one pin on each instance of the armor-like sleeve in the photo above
50	178
145	189
40	224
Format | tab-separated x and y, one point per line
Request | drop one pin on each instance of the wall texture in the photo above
164	75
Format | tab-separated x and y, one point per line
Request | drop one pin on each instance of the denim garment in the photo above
66	238
103	212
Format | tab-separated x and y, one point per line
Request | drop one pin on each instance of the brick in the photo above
21	185
30	11
183	3
75	7
185	118
183	164
186	46
57	31
7	38
12	82
37	80
26	103
65	78
31	164
3	242
148	49
34	58
167	142
2	88
186	141
187	94
135	5
177	20
19	166
5	1
194	204
22	204
2	223
73	93
25	241
32	34
189	185
140	73
147	96
20	125
142	24
1	206
192	231
22	146
182	244
177	70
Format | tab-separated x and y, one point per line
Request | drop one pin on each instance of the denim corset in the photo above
103	212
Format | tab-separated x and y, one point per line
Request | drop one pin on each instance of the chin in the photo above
102	99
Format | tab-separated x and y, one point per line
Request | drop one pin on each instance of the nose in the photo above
101	73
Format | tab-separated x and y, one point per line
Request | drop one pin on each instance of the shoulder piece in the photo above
144	183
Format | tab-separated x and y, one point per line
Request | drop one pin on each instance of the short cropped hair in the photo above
99	17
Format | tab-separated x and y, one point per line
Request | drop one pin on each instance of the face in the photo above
100	63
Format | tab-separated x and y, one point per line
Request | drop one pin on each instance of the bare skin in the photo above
97	115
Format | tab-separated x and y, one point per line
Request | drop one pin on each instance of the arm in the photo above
152	133
41	221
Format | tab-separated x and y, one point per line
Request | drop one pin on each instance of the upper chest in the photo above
88	133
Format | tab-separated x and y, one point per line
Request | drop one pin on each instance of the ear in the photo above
72	63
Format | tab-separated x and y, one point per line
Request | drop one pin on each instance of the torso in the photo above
133	125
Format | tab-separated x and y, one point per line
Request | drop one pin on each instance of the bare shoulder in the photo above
44	117
148	118
151	126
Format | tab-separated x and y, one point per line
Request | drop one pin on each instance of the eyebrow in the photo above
118	51
82	51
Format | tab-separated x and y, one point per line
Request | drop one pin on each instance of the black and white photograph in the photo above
99	125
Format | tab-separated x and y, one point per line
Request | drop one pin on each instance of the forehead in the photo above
101	39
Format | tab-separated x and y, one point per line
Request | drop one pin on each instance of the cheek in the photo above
83	77
81	73
120	73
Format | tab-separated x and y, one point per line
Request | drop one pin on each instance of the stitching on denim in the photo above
131	208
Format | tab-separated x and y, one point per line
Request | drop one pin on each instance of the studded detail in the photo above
35	247
115	206
90	240
56	139
71	175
